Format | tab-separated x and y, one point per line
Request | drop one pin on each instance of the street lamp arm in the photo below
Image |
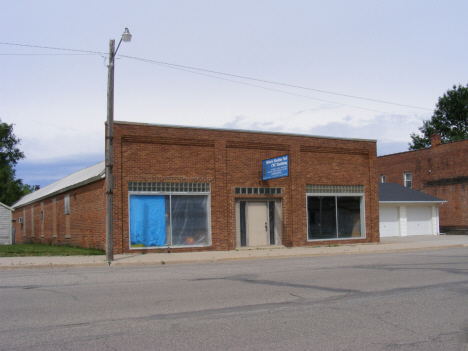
126	37
118	46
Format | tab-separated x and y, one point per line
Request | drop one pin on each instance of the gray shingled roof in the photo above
391	192
75	180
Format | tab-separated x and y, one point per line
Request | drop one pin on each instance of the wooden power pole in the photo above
110	157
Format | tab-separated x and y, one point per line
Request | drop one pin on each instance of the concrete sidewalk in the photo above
395	244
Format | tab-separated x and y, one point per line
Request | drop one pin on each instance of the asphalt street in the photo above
388	301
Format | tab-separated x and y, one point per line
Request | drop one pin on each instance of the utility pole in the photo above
110	157
126	37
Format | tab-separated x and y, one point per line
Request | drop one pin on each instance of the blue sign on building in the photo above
275	167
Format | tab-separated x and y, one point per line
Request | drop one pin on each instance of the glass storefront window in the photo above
189	220
332	217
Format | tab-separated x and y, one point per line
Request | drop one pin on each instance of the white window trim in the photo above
383	178
405	180
149	193
362	212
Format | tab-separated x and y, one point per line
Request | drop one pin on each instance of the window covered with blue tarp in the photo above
147	220
169	220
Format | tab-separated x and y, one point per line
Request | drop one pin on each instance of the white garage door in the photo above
419	220
388	221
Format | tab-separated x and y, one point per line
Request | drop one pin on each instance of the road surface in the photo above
393	301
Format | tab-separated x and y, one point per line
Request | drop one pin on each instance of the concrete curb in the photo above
56	265
223	256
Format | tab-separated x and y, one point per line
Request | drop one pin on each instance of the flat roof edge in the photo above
242	131
426	148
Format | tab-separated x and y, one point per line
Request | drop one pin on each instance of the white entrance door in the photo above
257	223
389	221
419	220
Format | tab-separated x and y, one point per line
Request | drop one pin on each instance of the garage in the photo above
419	220
405	212
389	225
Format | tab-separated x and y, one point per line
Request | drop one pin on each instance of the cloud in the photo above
244	123
322	107
392	132
45	172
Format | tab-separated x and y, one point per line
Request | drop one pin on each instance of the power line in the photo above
51	48
271	89
182	67
48	54
272	82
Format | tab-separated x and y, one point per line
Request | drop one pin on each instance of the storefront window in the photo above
322	217
189	220
168	220
333	217
349	216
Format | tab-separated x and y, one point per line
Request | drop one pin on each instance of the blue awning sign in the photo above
277	167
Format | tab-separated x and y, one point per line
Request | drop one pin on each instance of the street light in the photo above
126	37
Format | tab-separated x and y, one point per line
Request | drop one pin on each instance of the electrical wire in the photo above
51	48
276	90
194	69
276	83
48	54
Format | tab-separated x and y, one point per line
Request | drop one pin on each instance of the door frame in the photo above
278	223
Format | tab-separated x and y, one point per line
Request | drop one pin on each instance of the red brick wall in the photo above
85	226
447	179
225	159
229	159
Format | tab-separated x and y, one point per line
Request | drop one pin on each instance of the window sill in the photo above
335	239
167	247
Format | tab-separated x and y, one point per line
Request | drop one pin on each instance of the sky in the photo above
347	69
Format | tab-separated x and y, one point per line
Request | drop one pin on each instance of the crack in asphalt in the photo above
27	287
61	293
298	303
250	279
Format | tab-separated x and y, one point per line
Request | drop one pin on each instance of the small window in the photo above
382	178
408	180
66	202
42	216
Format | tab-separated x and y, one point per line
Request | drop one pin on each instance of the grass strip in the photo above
23	250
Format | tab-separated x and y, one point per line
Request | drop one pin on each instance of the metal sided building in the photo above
209	189
70	211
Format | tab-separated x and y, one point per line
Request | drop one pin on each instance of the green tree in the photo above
11	189
450	119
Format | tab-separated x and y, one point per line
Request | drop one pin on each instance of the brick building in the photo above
204	189
70	211
440	171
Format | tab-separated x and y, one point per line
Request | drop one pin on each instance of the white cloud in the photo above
45	172
392	132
